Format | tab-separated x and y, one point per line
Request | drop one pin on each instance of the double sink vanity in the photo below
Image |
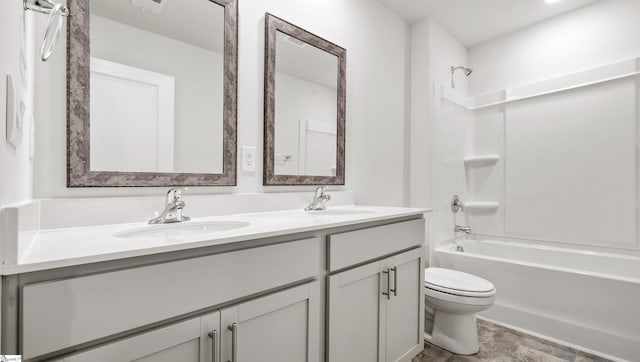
340	284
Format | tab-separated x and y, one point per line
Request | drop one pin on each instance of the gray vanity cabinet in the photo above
187	341
283	327
138	297
355	314
405	309
351	293
375	310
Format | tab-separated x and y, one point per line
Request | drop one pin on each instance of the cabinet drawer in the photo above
65	313
354	247
180	342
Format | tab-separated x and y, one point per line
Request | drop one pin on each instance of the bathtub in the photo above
590	300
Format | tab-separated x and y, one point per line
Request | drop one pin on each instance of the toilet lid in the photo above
456	282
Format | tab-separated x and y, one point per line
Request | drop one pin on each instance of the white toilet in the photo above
455	298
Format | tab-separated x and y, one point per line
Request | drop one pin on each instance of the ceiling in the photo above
197	22
475	21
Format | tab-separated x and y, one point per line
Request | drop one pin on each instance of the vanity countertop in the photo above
55	248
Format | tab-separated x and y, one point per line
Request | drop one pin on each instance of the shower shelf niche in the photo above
479	207
481	161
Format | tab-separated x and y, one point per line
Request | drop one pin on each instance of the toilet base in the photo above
457	333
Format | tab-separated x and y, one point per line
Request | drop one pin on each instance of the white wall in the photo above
16	33
421	152
438	130
375	40
597	34
198	77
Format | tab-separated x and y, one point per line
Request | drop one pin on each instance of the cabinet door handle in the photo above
214	345
395	281
234	342
388	293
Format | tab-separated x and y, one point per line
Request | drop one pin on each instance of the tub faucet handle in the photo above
457	204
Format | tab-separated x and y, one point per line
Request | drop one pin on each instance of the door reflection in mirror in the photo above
306	108
157	86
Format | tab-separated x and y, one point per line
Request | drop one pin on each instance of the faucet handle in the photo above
175	194
457	204
320	190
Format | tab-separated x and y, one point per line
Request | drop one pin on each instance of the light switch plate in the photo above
13	116
248	159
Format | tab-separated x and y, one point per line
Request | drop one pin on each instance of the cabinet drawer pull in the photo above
234	342
388	292
395	281
214	345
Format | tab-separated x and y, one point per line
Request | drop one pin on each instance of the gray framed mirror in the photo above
304	107
152	93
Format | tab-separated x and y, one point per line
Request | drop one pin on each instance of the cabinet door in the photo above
187	341
356	319
405	309
281	327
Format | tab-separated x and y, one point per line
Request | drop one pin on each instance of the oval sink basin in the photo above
340	212
175	231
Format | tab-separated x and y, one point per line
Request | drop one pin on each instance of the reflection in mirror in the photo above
152	93
157	86
304	107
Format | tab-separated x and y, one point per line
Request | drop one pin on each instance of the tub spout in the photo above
462	229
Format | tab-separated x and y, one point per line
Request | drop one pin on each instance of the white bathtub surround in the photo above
582	298
455	298
567	150
569	196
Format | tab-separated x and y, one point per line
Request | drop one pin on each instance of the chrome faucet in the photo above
173	210
319	200
462	229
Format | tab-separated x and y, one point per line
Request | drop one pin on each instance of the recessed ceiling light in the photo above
552	1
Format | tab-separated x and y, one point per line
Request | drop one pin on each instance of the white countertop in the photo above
55	248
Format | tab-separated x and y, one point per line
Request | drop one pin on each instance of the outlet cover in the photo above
248	159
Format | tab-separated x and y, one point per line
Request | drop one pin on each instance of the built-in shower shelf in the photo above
481	161
477	207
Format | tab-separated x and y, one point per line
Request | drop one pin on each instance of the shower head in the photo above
467	72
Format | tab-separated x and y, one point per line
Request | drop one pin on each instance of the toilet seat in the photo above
458	283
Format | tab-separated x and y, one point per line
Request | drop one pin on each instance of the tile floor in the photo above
500	344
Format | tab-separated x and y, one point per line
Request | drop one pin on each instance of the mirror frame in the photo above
79	173
273	24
